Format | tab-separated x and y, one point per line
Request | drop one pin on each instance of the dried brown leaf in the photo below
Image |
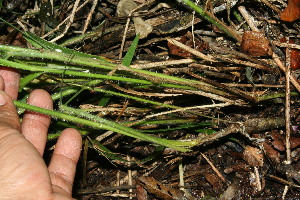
253	156
271	153
158	189
255	43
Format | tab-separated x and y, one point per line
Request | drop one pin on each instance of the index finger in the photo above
11	81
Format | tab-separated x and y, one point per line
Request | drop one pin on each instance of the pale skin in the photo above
23	172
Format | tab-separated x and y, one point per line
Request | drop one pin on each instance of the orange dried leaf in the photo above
295	54
255	43
291	12
295	59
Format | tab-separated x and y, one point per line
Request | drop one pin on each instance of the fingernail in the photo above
2	99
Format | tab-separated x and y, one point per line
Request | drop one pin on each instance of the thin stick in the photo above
288	45
249	19
205	94
283	181
288	106
65	20
72	15
250	85
193	21
162	63
191	50
270	5
118	180
281	66
286	189
181	176
257	179
89	17
129	171
124	37
189	108
213	167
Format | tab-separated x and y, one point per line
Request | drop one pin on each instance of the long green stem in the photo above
85	62
129	131
68	72
12	51
100	123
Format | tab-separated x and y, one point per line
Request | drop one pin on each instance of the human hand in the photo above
23	172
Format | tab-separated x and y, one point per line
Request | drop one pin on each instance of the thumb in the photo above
9	118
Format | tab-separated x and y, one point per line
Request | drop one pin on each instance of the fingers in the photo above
35	125
64	160
12	81
8	114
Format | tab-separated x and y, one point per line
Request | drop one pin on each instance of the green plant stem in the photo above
274	96
162	78
212	19
153	77
88	86
12	51
113	126
69	73
100	123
